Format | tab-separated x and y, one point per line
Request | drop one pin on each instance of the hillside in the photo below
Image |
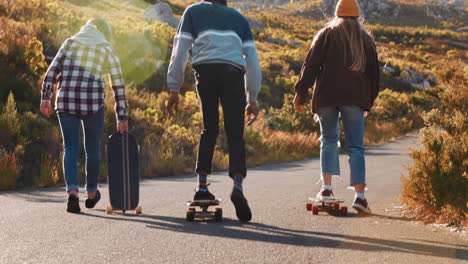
421	52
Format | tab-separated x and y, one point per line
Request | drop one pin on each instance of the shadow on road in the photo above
375	153
49	195
399	218
234	229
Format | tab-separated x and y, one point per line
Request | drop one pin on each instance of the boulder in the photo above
295	43
425	84
463	29
408	75
388	69
432	79
161	12
420	80
446	10
278	41
284	42
256	25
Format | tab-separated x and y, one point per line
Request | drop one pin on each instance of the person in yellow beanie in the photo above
343	67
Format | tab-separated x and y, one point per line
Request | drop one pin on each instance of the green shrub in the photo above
31	144
436	184
9	124
288	119
9	170
390	105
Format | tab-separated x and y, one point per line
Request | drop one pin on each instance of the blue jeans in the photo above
353	124
93	127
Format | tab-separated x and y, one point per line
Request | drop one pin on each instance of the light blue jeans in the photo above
93	127
353	124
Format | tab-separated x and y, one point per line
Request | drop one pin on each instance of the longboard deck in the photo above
327	201
331	206
204	203
123	171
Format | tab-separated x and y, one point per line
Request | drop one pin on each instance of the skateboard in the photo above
123	173
204	214
330	206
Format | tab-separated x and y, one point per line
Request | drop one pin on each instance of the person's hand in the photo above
173	102
297	103
122	126
366	113
45	109
251	111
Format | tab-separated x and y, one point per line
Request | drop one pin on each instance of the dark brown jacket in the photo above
335	83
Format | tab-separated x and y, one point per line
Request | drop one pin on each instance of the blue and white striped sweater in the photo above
212	33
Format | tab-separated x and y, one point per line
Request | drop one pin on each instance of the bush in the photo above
9	170
436	184
288	119
9	124
390	105
31	145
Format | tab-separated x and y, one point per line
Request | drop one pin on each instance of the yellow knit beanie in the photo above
347	8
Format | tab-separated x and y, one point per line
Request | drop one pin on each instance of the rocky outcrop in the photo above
369	8
419	79
457	3
284	42
256	25
243	5
446	11
161	12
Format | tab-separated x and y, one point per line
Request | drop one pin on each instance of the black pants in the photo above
225	83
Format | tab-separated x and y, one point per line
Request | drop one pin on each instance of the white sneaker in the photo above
325	194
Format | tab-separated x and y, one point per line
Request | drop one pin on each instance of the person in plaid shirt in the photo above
78	72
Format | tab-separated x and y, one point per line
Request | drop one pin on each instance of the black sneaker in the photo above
242	207
199	195
361	206
90	203
73	204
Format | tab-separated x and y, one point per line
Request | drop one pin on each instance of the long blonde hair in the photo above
353	34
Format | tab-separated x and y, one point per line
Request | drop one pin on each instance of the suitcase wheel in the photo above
138	210
109	210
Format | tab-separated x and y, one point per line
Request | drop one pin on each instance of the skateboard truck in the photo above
192	213
330	206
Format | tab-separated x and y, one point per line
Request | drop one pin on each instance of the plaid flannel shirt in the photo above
77	70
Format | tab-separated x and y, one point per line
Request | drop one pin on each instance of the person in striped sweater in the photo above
219	42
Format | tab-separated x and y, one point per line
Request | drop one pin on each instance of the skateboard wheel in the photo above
344	210
308	206
138	210
336	206
109	209
315	210
219	214
190	215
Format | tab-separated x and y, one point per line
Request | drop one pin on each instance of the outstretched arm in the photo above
311	66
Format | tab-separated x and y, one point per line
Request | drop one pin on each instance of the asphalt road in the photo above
34	227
